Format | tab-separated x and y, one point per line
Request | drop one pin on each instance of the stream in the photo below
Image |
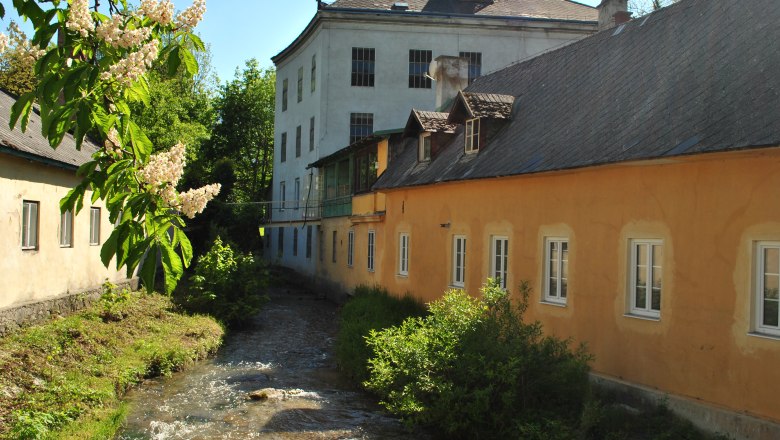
289	347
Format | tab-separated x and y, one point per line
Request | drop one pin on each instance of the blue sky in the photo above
238	30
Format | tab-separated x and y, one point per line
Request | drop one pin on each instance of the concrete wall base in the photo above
704	416
36	312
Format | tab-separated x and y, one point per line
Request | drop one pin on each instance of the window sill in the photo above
455	286
642	317
770	336
554	303
402	275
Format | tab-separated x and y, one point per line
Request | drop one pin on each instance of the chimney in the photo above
613	13
451	75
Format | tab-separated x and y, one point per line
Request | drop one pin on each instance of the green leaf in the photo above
149	268
189	61
86	168
185	246
109	248
173	61
172	266
68	203
83	124
142	146
22	107
197	43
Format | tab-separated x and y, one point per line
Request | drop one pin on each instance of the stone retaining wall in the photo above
14	318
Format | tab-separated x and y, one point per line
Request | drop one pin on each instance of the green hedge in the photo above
371	308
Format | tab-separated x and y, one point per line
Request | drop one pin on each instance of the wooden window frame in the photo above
647	310
30	238
759	294
499	263
459	243
403	254
561	293
94	226
471	135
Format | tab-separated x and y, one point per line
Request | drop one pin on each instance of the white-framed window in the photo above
295	242
459	260
282	195
66	229
30	223
472	135
351	248
425	147
334	247
499	257
646	277
94	226
371	246
767	284
556	269
297	193
403	254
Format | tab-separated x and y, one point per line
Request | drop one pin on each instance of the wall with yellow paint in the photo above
336	271
709	211
49	271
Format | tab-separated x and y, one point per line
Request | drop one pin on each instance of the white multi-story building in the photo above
361	65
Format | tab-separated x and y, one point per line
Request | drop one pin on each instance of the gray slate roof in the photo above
485	105
32	144
544	9
434	122
696	77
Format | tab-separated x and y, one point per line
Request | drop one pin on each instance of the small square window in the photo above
459	261
499	259
363	59
403	254
66	229
371	247
472	135
419	61
556	270
30	224
646	277
94	226
767	288
300	84
284	94
425	147
350	247
298	141
360	125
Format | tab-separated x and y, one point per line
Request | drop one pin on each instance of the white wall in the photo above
390	100
49	271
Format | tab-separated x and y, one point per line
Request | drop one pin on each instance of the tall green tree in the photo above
245	131
17	64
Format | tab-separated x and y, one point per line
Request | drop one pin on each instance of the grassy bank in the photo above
66	378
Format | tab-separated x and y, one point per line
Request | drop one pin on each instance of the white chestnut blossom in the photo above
164	168
128	70
113	144
3	42
158	12
190	17
79	18
194	201
22	45
111	32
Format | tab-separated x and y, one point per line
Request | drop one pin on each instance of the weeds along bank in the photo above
65	379
473	368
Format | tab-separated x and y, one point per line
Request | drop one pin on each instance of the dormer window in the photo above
472	135
425	147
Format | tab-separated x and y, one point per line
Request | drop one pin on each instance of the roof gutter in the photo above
36	158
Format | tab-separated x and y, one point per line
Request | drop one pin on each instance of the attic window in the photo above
425	147
472	135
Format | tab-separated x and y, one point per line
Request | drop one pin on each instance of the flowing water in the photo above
289	347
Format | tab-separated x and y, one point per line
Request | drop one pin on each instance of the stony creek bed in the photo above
288	348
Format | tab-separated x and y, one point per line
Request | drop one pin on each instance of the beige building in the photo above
45	254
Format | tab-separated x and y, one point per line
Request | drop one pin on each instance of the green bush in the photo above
227	285
371	308
474	369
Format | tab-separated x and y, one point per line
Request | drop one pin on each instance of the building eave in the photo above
35	158
380	15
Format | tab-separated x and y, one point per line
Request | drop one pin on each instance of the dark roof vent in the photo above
400	6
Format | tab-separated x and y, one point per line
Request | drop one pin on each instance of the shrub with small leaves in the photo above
474	369
228	285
